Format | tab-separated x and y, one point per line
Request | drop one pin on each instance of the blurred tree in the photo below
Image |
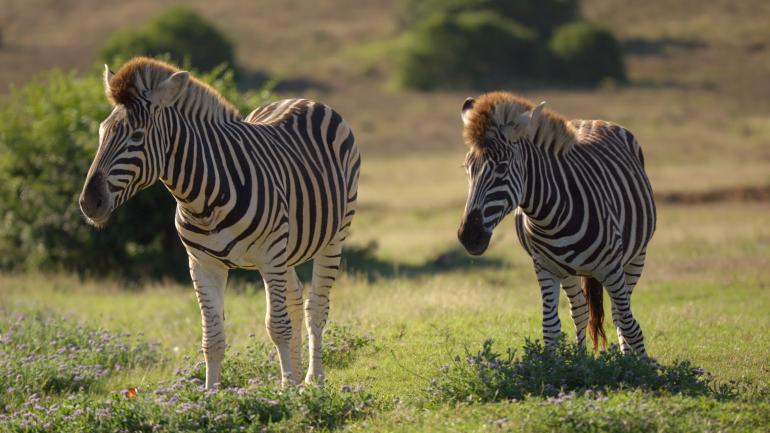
541	15
492	43
585	53
179	32
48	137
455	50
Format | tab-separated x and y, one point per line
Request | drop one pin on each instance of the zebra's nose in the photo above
472	234
93	199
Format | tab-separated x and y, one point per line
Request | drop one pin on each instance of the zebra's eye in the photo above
501	168
137	136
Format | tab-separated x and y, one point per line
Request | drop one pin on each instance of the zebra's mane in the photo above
499	109
141	74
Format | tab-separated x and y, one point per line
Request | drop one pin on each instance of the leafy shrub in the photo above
48	137
43	353
490	376
586	53
491	43
540	15
469	48
178	32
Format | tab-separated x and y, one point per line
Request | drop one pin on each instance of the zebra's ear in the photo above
467	107
527	117
108	74
169	90
537	111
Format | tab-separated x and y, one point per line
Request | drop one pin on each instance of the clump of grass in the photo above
44	353
487	376
250	399
341	345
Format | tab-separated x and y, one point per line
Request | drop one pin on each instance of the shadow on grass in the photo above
248	79
661	46
362	260
568	371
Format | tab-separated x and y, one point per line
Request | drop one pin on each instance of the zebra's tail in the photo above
592	290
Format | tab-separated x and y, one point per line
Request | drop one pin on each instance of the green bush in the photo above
452	50
48	136
491	43
541	15
539	372
585	53
179	32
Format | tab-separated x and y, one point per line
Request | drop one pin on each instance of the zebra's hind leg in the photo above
633	271
624	320
578	306
277	318
325	268
549	291
209	281
294	307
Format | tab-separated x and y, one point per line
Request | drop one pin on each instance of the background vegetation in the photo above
180	33
488	43
411	320
41	174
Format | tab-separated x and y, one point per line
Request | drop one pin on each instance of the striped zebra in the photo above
267	192
583	205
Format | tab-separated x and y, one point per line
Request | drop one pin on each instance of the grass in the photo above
250	398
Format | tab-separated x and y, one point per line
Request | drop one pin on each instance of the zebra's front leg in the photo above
549	291
209	280
578	306
325	268
630	332
278	318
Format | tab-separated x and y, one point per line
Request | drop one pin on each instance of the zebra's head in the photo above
132	139
495	132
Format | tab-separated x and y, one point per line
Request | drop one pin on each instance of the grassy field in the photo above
698	101
703	299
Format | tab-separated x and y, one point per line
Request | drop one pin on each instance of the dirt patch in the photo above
745	194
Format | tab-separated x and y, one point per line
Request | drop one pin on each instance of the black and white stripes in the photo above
267	192
584	206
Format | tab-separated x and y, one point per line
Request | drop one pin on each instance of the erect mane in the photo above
141	74
550	130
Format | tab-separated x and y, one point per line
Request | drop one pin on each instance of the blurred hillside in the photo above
698	70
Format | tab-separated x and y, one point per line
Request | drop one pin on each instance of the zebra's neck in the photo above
197	153
542	175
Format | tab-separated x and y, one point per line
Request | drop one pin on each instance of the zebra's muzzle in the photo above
95	202
472	234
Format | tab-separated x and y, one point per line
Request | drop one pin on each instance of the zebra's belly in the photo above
289	237
292	245
586	257
253	253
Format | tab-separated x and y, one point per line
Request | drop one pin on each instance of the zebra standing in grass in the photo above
268	192
584	207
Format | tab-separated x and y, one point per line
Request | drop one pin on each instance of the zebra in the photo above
266	192
583	207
